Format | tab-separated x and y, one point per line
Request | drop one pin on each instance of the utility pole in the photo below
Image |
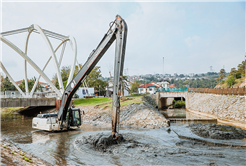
99	91
163	68
245	66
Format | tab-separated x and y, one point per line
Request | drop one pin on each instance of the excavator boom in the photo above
118	33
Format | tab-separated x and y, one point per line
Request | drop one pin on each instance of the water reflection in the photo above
180	113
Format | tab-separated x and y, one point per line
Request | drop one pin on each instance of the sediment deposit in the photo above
134	115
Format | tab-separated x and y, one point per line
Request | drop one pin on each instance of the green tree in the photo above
134	87
222	75
65	70
93	80
230	80
6	85
30	82
1	83
233	72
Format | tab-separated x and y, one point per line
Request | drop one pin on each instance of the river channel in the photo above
58	148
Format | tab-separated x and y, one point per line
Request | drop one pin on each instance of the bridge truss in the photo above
45	35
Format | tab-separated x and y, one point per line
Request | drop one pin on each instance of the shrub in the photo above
179	104
230	81
238	75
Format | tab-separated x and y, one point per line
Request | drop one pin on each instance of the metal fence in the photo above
171	89
225	91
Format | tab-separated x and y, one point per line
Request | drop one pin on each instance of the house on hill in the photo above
172	86
148	88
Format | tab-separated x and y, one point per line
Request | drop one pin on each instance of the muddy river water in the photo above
58	148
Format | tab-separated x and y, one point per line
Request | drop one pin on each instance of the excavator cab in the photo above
74	117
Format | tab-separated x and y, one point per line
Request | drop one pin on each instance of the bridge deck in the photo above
24	102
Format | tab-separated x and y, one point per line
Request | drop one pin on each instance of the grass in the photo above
107	101
91	101
9	110
27	159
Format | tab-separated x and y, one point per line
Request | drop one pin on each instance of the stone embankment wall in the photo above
222	107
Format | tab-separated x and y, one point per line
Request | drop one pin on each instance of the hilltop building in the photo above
148	88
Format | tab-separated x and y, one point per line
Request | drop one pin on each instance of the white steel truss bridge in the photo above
57	63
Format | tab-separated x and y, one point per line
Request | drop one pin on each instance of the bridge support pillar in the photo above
58	104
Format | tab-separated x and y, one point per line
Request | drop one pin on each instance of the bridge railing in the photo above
225	91
171	90
17	94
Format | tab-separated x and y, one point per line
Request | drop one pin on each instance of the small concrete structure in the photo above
164	99
24	102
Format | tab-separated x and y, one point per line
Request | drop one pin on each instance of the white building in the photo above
84	91
148	88
164	84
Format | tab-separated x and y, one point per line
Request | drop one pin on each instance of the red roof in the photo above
18	81
29	80
172	87
148	85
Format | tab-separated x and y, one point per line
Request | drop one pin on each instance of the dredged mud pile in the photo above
135	115
223	132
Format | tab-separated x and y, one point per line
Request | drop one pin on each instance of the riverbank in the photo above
10	110
13	155
228	109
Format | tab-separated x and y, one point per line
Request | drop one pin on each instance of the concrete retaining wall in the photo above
224	108
23	102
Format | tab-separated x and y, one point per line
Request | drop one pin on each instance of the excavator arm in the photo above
118	33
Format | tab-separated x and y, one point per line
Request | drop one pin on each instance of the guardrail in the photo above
225	91
172	90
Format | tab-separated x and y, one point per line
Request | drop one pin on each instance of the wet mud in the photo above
214	131
147	150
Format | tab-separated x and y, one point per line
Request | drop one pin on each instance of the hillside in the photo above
238	84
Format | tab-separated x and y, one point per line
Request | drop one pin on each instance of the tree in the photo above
233	72
93	80
230	80
1	82
134	87
124	84
222	75
6	85
30	82
172	81
65	70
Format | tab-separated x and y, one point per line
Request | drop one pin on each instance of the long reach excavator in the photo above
68	117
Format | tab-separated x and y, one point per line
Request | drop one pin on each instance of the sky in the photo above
191	36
